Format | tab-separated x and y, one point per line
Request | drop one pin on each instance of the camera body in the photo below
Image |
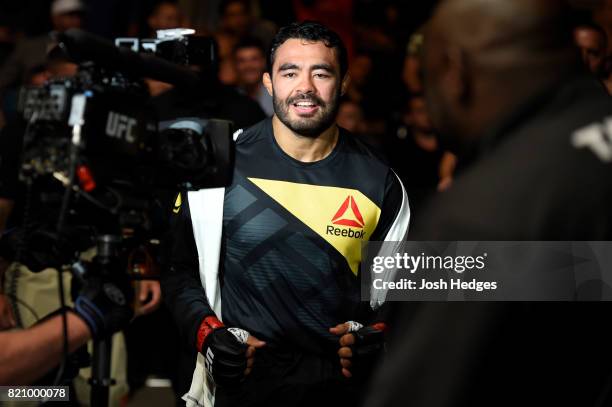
96	136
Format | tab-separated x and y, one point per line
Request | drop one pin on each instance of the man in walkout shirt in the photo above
283	272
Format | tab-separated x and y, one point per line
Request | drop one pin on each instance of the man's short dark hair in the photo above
309	31
250	42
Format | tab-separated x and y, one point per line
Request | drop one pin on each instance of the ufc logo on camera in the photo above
120	127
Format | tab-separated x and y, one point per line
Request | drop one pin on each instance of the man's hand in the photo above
7	319
228	352
149	296
105	305
253	344
359	346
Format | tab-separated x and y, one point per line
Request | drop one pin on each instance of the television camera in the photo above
96	138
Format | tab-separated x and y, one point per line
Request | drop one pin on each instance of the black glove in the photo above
105	305
369	346
224	351
369	342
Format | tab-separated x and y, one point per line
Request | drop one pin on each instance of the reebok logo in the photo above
343	217
352	219
356	221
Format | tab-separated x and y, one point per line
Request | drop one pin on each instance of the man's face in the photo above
167	16
236	18
305	86
592	48
250	65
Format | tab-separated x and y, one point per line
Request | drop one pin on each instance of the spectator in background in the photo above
337	14
165	15
360	72
365	89
236	23
350	117
416	154
32	52
201	15
411	71
250	65
593	43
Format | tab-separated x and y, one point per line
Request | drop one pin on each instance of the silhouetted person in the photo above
502	78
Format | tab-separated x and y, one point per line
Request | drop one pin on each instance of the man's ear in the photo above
267	82
345	83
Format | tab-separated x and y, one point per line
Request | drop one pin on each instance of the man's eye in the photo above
289	75
321	75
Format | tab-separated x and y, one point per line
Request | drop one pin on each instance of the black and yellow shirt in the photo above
291	240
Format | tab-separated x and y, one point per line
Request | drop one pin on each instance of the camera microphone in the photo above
81	46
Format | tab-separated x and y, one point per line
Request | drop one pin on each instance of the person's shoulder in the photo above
572	130
256	132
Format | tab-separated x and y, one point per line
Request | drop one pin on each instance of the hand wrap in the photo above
224	351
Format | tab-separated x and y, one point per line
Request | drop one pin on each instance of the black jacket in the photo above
543	174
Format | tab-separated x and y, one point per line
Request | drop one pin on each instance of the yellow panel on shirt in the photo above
343	217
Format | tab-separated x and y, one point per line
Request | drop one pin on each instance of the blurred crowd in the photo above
384	104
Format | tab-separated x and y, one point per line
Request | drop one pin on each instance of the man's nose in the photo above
306	85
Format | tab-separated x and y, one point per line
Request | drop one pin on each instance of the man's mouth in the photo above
305	107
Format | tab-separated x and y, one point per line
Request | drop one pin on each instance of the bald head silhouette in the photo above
484	57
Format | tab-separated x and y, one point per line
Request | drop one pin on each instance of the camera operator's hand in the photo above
360	347
228	352
149	296
105	305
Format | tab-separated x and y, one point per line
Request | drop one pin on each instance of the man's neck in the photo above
302	148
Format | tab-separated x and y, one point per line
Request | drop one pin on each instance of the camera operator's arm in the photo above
180	279
101	309
27	355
